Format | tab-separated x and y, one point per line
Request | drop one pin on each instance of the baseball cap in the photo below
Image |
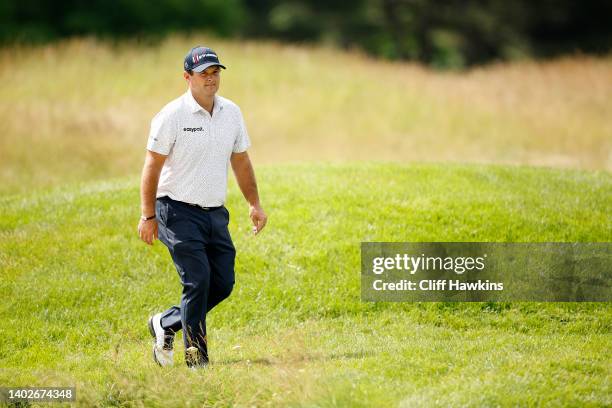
200	58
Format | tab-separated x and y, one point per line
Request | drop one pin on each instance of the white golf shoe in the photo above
163	353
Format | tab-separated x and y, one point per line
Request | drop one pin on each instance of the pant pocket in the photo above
161	212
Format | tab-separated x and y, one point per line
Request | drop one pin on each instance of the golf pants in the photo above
202	250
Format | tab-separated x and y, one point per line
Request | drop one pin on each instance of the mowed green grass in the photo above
77	287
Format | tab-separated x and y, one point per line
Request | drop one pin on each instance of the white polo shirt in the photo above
198	147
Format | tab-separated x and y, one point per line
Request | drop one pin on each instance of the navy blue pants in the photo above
203	253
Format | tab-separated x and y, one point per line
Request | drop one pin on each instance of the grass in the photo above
77	287
80	109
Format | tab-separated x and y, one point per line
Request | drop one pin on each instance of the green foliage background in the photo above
436	32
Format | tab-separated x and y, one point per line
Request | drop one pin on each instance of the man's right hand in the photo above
147	230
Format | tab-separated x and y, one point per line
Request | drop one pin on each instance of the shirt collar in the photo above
194	106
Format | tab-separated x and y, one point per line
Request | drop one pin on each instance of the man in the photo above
192	141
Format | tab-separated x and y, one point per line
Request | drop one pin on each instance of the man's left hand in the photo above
259	218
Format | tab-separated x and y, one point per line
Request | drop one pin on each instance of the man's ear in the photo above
186	75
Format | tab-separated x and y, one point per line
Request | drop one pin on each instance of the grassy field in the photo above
80	110
347	149
77	288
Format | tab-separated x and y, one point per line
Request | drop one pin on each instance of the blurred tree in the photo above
442	33
41	20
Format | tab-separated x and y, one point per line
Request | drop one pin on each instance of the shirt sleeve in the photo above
242	142
162	134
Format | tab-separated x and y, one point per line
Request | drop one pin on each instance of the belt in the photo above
204	208
191	204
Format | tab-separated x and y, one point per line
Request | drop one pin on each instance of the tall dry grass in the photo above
80	109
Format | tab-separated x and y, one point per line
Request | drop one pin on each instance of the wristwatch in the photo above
142	217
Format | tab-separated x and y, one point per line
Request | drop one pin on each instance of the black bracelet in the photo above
142	217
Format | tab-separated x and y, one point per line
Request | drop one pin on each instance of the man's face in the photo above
205	82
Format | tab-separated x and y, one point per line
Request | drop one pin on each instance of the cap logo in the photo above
197	57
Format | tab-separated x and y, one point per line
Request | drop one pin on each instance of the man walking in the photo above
192	141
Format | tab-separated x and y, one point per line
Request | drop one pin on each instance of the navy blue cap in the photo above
200	58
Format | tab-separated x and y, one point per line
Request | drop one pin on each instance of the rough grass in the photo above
80	109
77	287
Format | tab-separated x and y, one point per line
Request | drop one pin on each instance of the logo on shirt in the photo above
198	129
